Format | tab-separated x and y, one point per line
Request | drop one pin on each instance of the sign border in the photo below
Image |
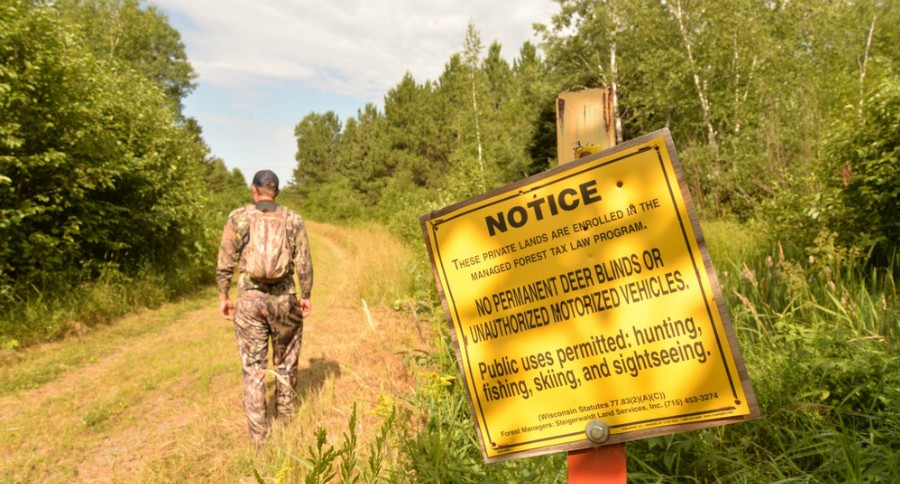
435	218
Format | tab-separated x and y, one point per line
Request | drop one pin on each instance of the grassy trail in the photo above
156	396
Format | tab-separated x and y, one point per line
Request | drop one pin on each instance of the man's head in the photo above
265	184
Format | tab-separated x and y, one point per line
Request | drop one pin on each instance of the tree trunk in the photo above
862	69
614	84
676	10
477	127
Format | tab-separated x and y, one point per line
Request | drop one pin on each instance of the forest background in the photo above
786	115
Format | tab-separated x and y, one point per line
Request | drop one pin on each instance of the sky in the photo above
263	65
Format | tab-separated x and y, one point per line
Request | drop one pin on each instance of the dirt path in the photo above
156	397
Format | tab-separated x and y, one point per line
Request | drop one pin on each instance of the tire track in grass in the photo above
164	405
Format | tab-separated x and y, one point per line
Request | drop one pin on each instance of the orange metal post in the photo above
598	465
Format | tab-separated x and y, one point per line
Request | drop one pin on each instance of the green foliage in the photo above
317	139
100	180
792	216
785	112
818	335
440	445
67	304
349	462
376	467
95	159
862	169
748	89
320	461
137	35
436	143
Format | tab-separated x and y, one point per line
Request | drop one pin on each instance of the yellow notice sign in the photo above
586	293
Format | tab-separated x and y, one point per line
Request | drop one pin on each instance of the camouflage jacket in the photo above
235	236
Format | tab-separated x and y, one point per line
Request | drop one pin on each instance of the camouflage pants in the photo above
258	317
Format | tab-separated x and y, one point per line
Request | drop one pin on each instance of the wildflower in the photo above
384	406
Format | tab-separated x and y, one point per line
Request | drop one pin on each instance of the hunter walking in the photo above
268	244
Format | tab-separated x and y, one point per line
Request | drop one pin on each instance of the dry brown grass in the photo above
156	397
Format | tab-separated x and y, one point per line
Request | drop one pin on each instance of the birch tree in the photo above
584	46
686	29
472	56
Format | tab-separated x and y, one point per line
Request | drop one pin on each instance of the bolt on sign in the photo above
585	294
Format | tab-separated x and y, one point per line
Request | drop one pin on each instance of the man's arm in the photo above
229	253
304	268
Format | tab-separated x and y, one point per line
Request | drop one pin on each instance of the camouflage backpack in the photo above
267	253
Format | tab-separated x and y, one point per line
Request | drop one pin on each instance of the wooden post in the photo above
598	465
584	119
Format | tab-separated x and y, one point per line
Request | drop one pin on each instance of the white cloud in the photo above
264	64
352	47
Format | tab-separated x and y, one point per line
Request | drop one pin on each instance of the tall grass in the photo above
385	263
818	333
441	445
74	302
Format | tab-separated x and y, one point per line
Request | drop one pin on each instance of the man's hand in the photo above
305	307
225	306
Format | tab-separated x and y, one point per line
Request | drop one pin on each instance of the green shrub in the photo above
862	170
818	334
